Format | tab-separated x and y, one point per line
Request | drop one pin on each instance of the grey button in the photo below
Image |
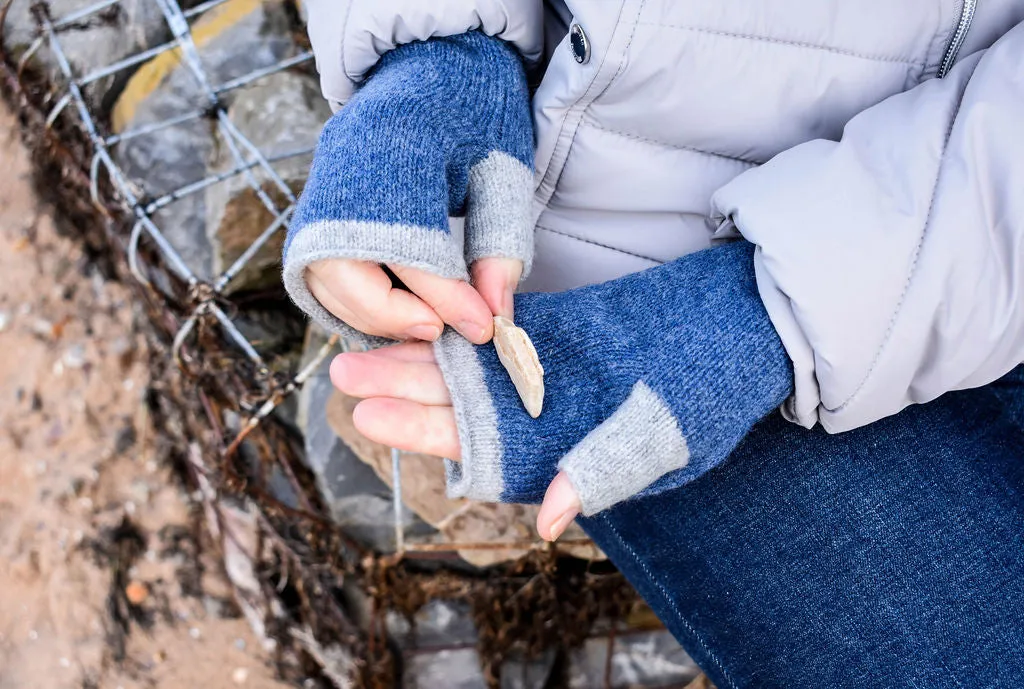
580	44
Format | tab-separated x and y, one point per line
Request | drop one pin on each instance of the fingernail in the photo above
562	523
473	332
424	332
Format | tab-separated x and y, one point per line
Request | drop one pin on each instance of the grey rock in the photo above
97	40
647	659
439	623
283	113
460	668
527	674
446	669
172	157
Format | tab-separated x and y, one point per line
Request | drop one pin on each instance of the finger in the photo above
365	292
331	303
422	352
496	279
561	505
408	426
455	301
367	375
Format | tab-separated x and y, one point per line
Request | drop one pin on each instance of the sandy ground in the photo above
100	583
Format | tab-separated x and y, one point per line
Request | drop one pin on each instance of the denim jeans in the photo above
889	556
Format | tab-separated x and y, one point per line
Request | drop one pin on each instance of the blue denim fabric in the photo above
889	556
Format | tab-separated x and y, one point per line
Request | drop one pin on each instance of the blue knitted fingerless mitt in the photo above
440	128
651	380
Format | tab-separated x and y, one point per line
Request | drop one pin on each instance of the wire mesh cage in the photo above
171	139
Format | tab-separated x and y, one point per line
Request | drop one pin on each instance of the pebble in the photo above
212	606
54	433
140	491
194	632
240	644
76	486
64	662
42	328
136	592
240	675
33	634
5	319
74	357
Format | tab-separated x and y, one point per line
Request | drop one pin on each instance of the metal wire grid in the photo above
207	295
246	156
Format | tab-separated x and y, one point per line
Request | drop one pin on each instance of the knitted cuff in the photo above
498	220
430	250
478	475
638	444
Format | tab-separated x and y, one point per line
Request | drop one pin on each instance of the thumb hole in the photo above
560	507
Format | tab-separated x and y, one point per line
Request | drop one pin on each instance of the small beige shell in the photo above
519	357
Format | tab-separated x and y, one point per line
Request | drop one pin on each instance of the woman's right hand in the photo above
362	295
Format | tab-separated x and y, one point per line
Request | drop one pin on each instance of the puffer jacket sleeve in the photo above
349	36
892	261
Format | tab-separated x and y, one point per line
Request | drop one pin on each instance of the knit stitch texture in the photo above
651	380
441	128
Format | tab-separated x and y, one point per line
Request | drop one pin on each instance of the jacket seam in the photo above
794	44
912	272
603	246
681	147
586	107
668	599
565	119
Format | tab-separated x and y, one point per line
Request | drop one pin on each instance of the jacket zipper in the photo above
966	17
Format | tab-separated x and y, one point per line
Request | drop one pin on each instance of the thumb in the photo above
561	505
496	279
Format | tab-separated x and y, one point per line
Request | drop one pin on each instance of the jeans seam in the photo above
664	592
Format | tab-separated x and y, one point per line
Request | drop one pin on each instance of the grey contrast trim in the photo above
634	447
499	219
478	476
417	247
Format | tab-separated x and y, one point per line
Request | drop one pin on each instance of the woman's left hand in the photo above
406	405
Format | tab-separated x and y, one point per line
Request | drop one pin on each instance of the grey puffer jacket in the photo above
872	150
